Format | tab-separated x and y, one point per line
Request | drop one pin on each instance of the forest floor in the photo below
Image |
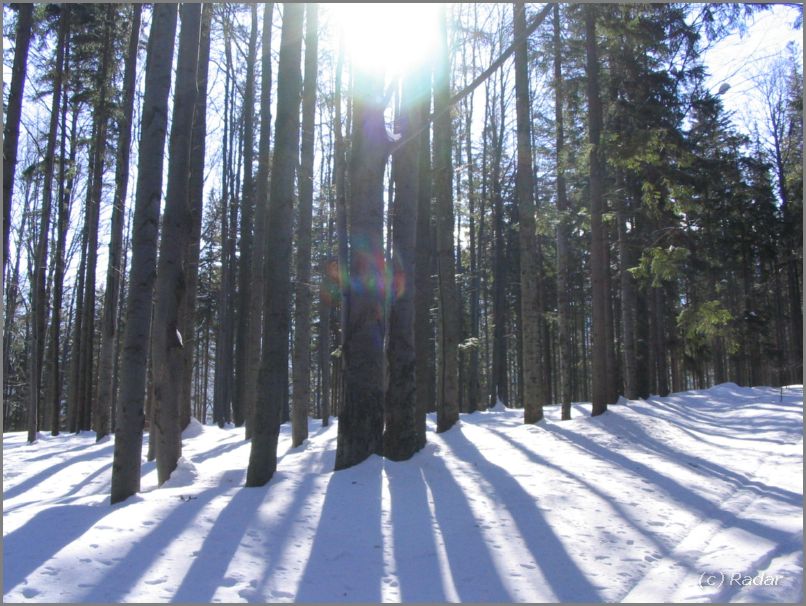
693	497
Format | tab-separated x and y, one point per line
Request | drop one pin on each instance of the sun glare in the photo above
393	37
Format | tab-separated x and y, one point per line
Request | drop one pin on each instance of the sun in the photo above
393	37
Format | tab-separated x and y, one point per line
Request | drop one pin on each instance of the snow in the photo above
693	497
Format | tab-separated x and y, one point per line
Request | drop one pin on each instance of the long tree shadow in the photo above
346	559
210	562
43	475
468	553
672	487
566	579
415	550
281	533
639	437
118	581
50	530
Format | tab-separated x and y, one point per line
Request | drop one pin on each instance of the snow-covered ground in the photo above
693	497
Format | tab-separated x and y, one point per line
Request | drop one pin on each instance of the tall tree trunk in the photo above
627	286
447	383
565	352
302	308
11	133
129	430
89	406
39	294
256	291
423	288
598	268
176	228
272	380
55	383
247	226
360	430
533	386
106	356
400	440
187	313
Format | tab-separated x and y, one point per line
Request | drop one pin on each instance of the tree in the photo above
598	268
114	268
400	440
272	380
176	228
302	307
360	430
129	430
11	132
39	293
247	225
531	312
256	264
447	382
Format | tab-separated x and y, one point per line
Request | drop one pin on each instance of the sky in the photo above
736	59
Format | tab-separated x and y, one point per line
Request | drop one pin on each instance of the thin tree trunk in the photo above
39	294
198	134
302	308
114	269
247	227
533	386
256	292
273	375
565	352
447	384
598	268
129	431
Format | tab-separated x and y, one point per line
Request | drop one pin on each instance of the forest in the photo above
253	214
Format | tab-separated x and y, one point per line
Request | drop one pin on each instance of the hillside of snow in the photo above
694	497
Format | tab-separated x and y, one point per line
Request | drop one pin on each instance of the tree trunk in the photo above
272	381
129	431
360	429
171	269
11	133
187	312
423	288
627	302
598	268
114	269
302	308
247	220
565	351
39	293
261	202
531	312
400	440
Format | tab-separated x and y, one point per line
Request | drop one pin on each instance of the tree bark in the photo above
272	381
261	202
11	133
39	292
302	309
198	135
360	429
106	356
599	294
171	268
129	431
400	439
531	311
447	384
